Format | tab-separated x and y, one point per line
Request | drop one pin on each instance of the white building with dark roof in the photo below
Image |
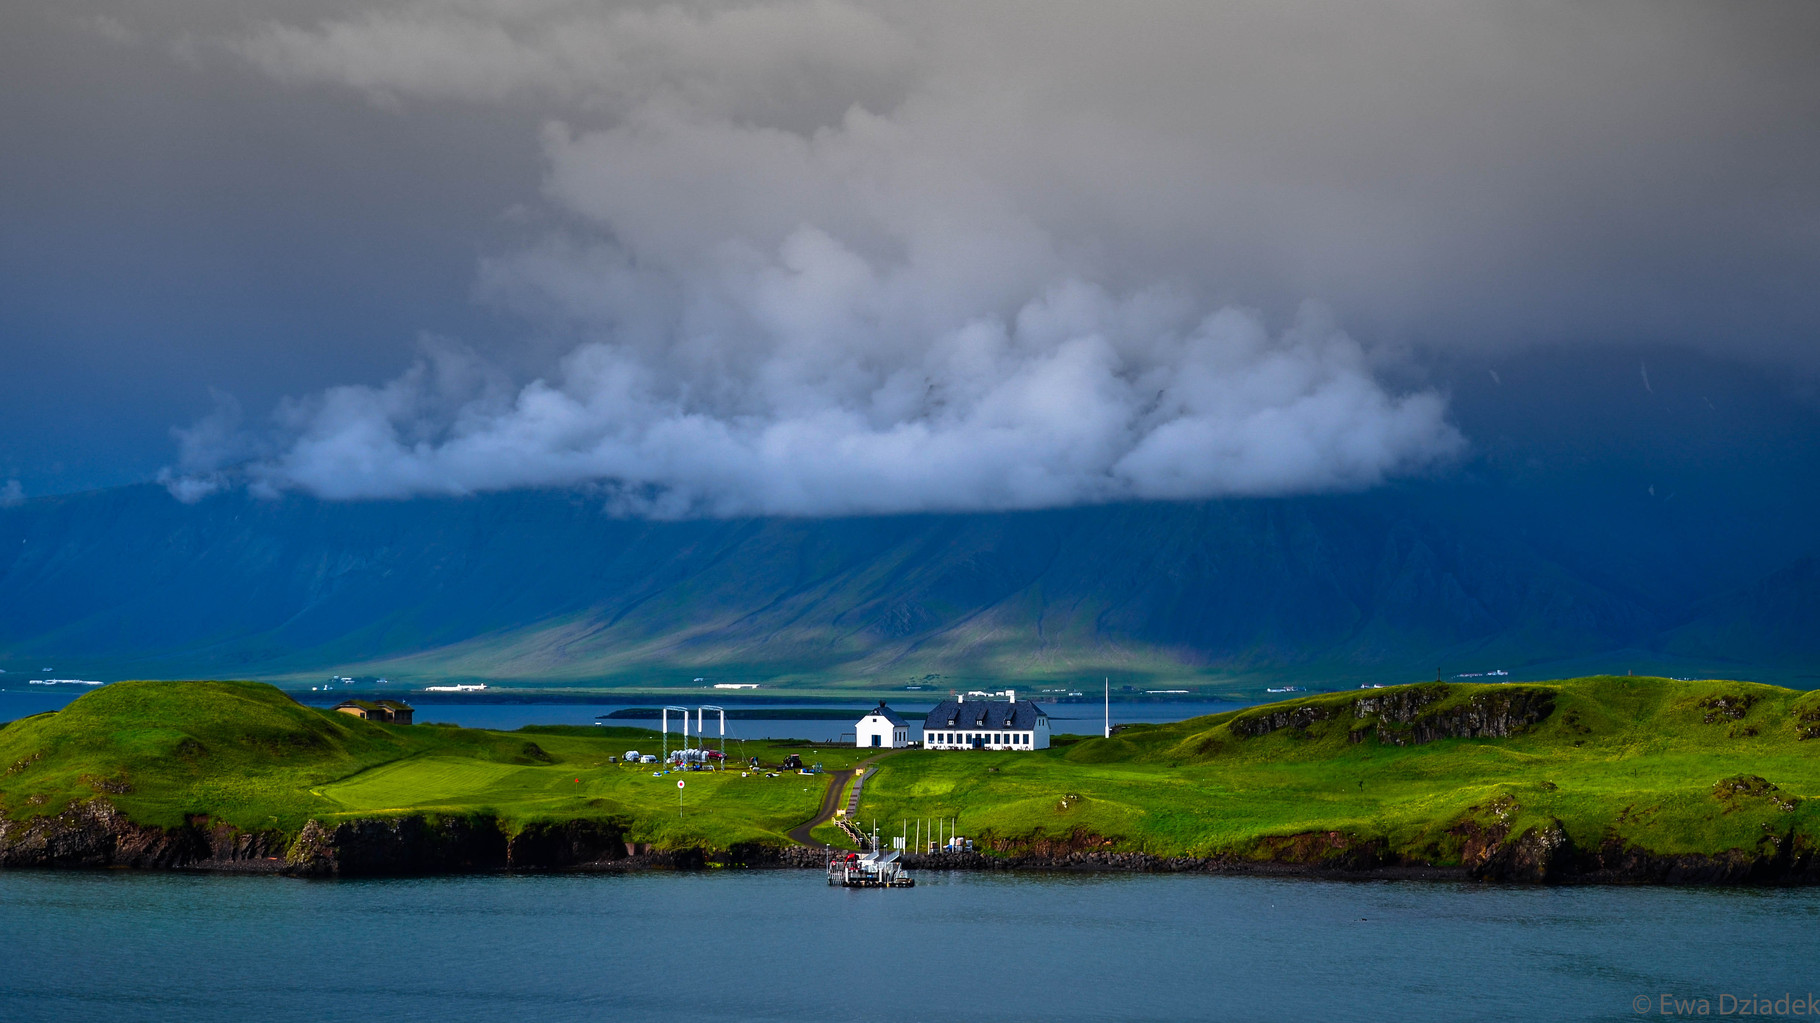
1009	723
882	728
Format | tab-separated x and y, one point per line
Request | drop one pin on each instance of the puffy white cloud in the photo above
1064	403
814	260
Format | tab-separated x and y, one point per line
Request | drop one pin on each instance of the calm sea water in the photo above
780	945
1065	718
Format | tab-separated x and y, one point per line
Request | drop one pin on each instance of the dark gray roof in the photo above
983	714
373	705
885	712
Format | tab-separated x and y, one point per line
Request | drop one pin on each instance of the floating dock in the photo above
868	870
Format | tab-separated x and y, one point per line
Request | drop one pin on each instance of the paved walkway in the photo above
858	784
837	781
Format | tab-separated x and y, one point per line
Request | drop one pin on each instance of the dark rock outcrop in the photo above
400	845
1252	726
96	834
566	844
1498	714
1807	722
1407	715
1400	705
1729	707
1537	856
1744	788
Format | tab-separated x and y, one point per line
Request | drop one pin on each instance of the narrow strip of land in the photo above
837	783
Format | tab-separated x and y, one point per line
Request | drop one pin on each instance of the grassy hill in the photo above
1446	775
1410	773
246	755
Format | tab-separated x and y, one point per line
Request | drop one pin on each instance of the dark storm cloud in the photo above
823	257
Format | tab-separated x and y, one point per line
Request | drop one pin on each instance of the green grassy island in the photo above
1605	778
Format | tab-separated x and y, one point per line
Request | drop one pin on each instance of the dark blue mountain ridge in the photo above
1620	509
545	585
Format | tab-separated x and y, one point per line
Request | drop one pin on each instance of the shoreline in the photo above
95	836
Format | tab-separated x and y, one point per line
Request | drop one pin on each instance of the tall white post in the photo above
702	731
1108	707
684	711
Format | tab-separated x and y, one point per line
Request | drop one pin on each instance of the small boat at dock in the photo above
871	869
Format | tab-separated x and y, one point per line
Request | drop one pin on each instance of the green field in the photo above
1664	766
1628	759
245	754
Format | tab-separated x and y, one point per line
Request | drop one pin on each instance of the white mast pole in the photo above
1108	706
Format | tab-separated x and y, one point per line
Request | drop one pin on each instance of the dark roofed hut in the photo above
393	712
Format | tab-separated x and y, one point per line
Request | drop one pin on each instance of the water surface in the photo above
1065	718
779	945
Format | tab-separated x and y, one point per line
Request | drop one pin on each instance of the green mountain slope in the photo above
547	587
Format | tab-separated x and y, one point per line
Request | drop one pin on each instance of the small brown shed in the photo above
390	711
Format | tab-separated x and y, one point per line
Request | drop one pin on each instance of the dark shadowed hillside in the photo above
547	586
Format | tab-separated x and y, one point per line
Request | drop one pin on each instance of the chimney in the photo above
1010	696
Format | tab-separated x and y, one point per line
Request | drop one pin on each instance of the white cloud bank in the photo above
807	261
1064	405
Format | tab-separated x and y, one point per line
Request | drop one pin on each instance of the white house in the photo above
882	728
1009	723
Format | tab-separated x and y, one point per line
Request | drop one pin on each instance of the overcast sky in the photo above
834	257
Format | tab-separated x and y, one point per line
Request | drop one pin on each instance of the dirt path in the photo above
837	784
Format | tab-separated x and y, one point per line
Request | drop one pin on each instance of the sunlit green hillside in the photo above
245	754
1667	766
1407	774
